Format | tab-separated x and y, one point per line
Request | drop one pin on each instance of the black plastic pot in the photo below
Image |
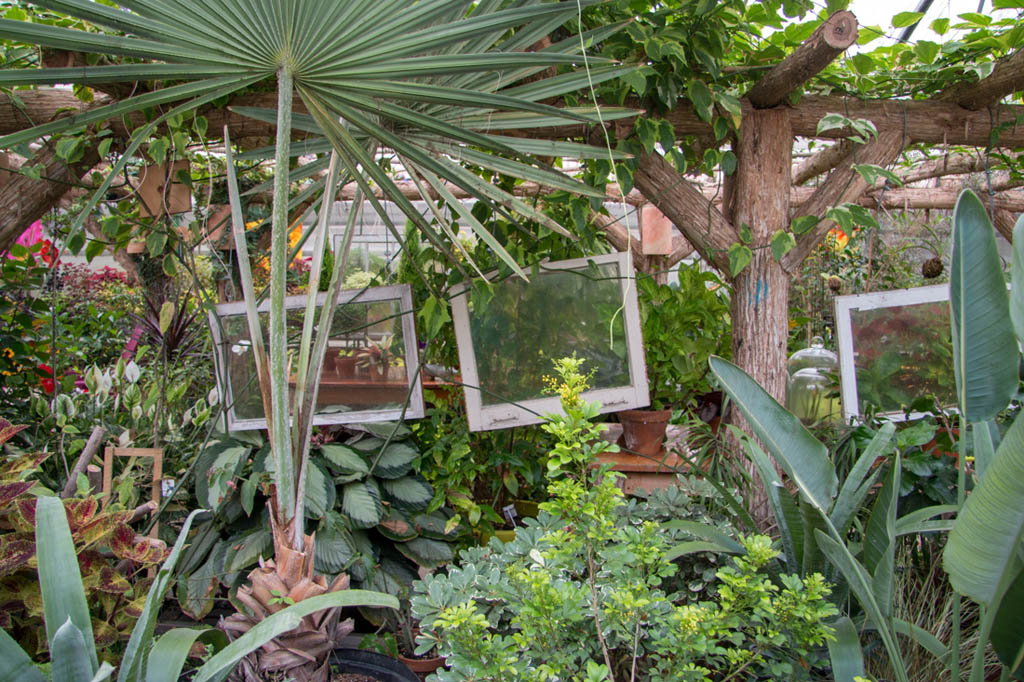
384	668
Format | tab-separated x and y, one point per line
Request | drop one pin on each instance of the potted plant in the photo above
376	358
683	324
399	638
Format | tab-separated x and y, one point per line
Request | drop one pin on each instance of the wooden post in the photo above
760	299
157	454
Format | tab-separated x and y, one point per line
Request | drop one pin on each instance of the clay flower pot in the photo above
422	665
643	431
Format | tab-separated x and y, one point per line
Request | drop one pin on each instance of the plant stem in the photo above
591	571
961	482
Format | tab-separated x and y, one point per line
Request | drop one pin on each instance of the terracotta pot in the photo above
422	665
345	367
643	431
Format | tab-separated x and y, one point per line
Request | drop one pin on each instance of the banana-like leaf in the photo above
1008	628
982	555
845	652
923	638
168	655
914	521
1017	277
706	531
880	540
15	665
860	584
984	345
60	580
283	621
803	458
860	480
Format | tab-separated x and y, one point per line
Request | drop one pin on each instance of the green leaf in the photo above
904	19
15	665
93	248
739	258
245	549
60	581
411	493
170	651
320	493
426	552
283	621
926	51
700	95
803	223
1017	277
804	459
1008	628
861	479
862	63
845	652
344	459
635	80
362	504
782	243
981	555
335	551
984	345
69	655
396	460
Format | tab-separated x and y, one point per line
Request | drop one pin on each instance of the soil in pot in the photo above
643	431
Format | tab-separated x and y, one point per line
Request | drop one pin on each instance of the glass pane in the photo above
902	353
364	366
519	328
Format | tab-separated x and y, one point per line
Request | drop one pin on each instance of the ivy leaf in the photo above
983	70
702	100
803	223
739	258
746	235
170	266
166	315
93	248
728	162
832	122
926	51
871	173
940	26
155	243
70	149
637	81
104	147
782	242
904	19
76	242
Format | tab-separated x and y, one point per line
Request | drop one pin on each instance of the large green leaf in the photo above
70	656
395	461
245	549
362	504
334	550
1008	628
283	621
1017	276
803	458
982	555
845	652
344	459
427	552
169	652
984	347
15	665
320	493
411	493
861	478
60	581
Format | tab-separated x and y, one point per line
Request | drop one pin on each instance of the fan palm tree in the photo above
425	79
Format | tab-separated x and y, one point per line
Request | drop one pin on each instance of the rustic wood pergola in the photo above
766	192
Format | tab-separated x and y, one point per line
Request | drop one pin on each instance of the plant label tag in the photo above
510	514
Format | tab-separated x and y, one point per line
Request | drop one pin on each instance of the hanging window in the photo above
371	366
895	347
509	334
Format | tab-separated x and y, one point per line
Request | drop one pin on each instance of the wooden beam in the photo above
23	200
844	184
1007	77
948	164
827	42
692	214
910	198
821	161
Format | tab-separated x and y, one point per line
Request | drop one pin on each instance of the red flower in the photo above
47	381
48	253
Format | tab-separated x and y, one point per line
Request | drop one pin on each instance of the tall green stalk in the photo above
286	464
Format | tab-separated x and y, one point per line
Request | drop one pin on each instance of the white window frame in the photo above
844	339
507	415
401	293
